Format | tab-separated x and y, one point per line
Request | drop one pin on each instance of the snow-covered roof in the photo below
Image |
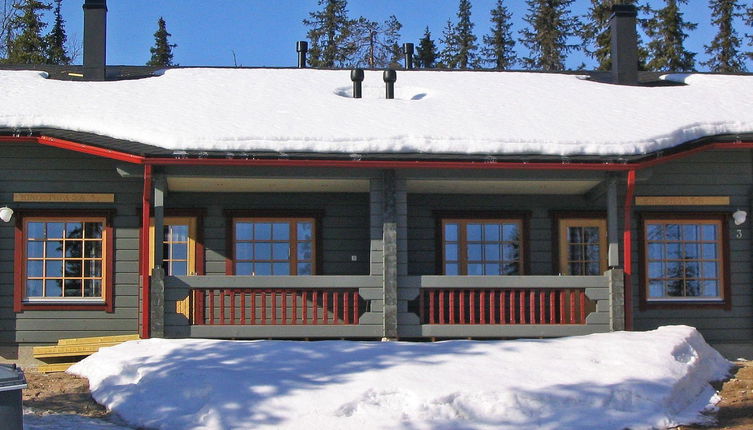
303	110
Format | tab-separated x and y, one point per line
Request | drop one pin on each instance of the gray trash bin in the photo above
12	381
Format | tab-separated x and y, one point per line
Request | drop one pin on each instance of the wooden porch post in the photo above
389	237
144	253
613	253
157	298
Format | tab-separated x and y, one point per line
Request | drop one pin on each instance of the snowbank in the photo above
602	381
302	110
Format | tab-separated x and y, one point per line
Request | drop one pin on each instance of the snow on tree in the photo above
666	30
550	27
597	36
162	51
460	49
426	52
56	39
499	45
24	41
373	44
724	50
329	31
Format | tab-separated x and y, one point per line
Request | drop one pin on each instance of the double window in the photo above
482	247
274	246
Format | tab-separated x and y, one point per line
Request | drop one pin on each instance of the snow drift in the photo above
638	380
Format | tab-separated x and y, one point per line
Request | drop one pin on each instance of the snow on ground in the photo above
33	421
638	380
304	110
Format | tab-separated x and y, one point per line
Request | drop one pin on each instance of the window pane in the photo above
178	268
281	269
244	251
92	269
263	231
179	233
692	269
55	230
655	232
54	250
73	248
263	251
674	288
451	232
511	269
491	252
709	232
34	268
691	251
510	251
74	230
304	250
53	268
450	269
689	232
693	287
475	269
709	269
305	231
179	251
591	235
592	252
244	268
262	269
576	268
655	270
35	250
510	233
73	288
474	252
491	232
93	249
576	253
281	231
673	251
593	268
34	288
93	230
73	268
473	232
244	231
93	288
575	235
53	287
35	230
710	288
281	251
304	268
709	251
674	269
655	251
491	269
451	252
656	289
672	232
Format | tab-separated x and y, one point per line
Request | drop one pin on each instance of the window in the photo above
274	246
63	260
179	247
684	259
482	247
582	246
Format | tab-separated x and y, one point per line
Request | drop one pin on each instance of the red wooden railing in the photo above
224	306
504	306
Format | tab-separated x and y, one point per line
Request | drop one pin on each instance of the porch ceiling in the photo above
266	185
500	187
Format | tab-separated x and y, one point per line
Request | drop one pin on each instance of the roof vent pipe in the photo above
624	44
408	51
390	76
356	75
95	37
302	47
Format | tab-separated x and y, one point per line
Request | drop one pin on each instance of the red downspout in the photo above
144	254
627	257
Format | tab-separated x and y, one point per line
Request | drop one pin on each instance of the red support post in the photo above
146	290
627	257
431	307
211	306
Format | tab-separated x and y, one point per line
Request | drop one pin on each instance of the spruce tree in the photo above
56	53
499	46
597	37
724	50
372	44
550	27
426	53
467	57
27	45
667	31
162	51
329	30
450	48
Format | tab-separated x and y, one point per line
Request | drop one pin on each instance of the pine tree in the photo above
56	53
547	37
450	47
597	37
329	32
499	46
724	50
162	51
373	44
7	13
666	29
426	53
27	45
467	56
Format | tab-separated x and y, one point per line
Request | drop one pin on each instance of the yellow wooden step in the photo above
69	350
54	367
98	339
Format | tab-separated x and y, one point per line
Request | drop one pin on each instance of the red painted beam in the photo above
627	250
146	205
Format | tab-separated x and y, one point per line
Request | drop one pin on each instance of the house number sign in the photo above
64	197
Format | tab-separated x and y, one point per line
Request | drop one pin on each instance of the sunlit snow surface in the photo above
303	110
639	380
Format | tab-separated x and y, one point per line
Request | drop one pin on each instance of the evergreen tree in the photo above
426	53
666	29
329	30
56	53
597	36
467	56
162	51
7	13
499	46
550	26
373	44
450	47
724	50
25	43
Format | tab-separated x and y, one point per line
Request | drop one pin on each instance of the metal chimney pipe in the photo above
408	51
356	75
624	44
302	47
390	76
95	38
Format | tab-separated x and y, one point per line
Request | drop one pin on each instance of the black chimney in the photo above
624	44
408	51
390	76
95	38
356	75
302	47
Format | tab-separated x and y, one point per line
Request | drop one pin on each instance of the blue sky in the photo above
264	32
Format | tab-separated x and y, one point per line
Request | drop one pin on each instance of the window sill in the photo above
685	304
64	305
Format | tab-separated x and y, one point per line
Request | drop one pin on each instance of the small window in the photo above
274	246
178	246
684	259
63	260
582	246
482	247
